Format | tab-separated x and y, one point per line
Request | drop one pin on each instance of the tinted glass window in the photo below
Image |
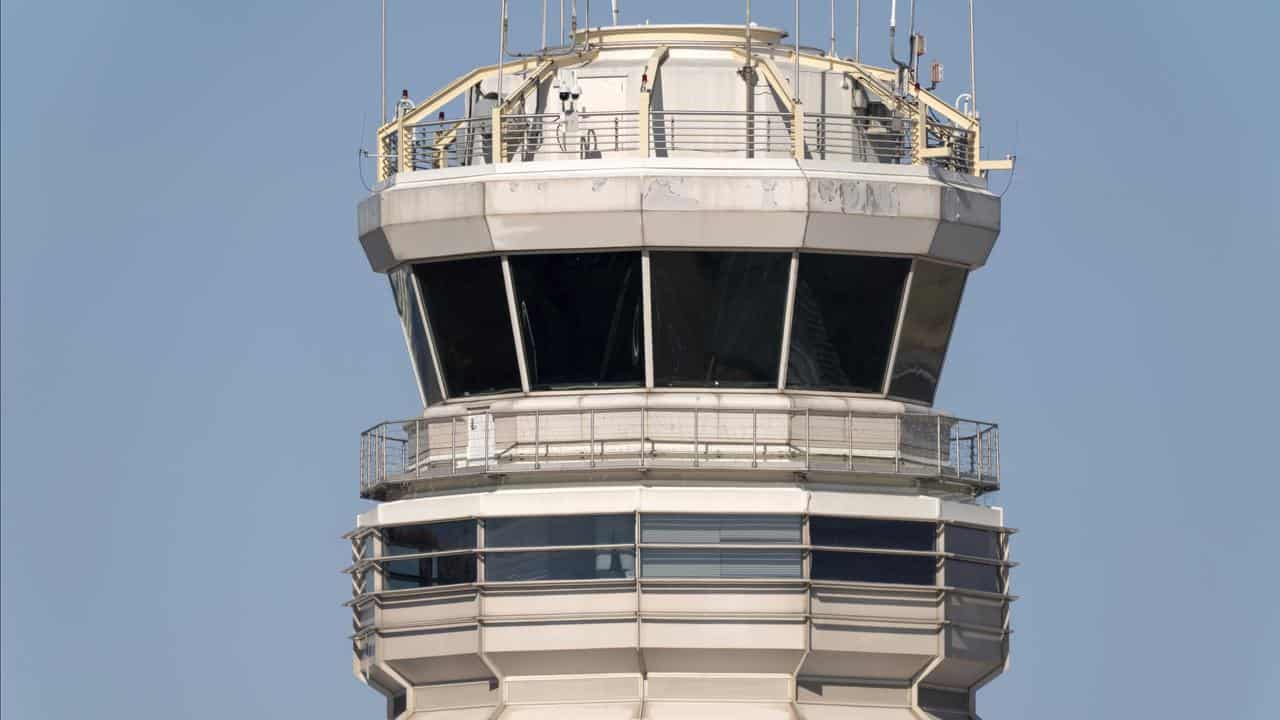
731	529
842	328
707	563
429	572
972	541
435	537
871	533
926	330
944	699
466	301
562	530
717	317
871	567
406	297
560	565
973	576
581	318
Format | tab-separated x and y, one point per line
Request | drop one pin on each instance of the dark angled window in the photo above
871	533
429	572
945	700
846	307
595	564
717	317
431	537
973	576
873	567
466	302
932	304
972	541
549	531
415	329
581	318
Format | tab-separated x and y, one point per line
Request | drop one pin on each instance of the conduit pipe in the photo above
893	54
505	52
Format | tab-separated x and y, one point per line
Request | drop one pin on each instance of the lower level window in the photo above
973	576
596	564
873	567
429	572
695	563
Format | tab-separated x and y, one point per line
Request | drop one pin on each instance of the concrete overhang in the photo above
679	203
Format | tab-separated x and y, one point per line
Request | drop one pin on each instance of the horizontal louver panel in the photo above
675	563
716	529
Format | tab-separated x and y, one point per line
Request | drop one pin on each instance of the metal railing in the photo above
860	138
583	135
957	140
440	144
720	134
398	453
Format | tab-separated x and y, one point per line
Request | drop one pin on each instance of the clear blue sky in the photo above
192	341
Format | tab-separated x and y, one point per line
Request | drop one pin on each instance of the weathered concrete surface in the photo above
654	202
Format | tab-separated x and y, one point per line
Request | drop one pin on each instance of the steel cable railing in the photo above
915	445
441	144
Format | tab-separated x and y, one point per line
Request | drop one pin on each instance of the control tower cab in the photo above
677	300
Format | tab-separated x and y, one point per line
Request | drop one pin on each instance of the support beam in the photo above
644	103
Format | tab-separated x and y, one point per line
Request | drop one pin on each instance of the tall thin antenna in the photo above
382	105
544	24
615	12
857	31
832	50
973	73
795	83
562	22
502	51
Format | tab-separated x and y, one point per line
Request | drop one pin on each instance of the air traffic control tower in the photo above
677	300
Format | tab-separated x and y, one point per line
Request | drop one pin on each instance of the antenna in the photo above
973	80
382	112
832	50
795	83
857	31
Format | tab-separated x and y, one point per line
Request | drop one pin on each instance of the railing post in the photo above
938	418
754	435
591	449
695	437
922	132
644	422
499	150
897	444
537	441
808	441
404	145
850	440
797	128
642	129
485	418
453	445
978	456
417	448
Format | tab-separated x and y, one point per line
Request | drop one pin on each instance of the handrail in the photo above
587	135
959	453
